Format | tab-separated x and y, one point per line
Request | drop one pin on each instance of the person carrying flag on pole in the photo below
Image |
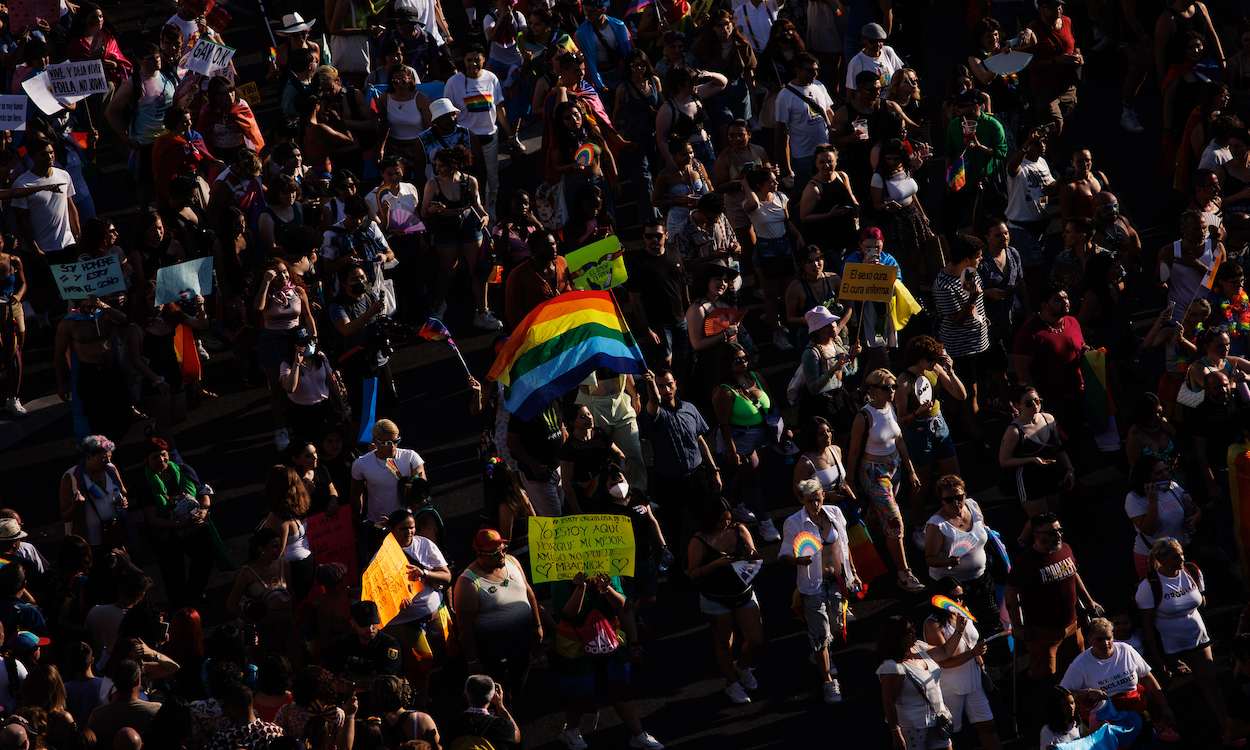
1188	264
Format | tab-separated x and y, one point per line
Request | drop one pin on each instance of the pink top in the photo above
311	388
283	309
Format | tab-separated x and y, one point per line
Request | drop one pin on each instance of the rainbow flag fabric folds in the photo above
558	344
434	330
957	173
1099	405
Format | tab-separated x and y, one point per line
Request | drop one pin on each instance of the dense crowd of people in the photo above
751	154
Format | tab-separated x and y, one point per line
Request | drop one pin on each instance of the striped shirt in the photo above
973	337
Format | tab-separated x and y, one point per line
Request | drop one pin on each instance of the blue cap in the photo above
25	641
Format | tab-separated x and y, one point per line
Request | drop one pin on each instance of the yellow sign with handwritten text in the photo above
385	582
250	93
867	282
591	543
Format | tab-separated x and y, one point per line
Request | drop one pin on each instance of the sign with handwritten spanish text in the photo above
590	543
27	13
208	57
183	281
332	540
70	82
90	278
13	112
385	582
869	282
599	265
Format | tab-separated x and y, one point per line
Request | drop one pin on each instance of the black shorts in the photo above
968	366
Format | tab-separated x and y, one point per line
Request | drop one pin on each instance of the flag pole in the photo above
456	349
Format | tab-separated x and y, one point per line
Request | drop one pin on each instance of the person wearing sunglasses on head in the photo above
1042	592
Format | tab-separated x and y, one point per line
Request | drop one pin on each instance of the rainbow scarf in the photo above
558	344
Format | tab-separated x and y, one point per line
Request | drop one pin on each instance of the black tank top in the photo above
1176	43
835	232
722	582
683	124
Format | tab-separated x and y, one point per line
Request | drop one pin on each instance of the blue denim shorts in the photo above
1031	247
928	440
273	347
709	607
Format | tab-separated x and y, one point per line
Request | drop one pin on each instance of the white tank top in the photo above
883	431
297	543
1183	281
404	119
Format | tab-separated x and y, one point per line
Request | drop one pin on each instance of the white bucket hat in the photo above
293	23
440	107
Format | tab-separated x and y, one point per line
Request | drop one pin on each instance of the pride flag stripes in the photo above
957	173
558	344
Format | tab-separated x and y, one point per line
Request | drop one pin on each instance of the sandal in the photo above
908	582
1182	668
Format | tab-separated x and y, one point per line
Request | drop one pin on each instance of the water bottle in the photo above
666	560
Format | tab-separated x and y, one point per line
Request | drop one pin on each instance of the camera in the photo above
383	331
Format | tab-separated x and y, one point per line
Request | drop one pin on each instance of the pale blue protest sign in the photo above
184	280
89	278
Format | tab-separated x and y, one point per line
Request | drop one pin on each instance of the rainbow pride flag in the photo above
187	355
1099	405
868	564
434	330
957	173
478	102
558	344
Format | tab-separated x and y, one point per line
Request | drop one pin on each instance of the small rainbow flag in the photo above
806	544
434	330
952	606
273	55
478	102
1209	279
558	344
957	173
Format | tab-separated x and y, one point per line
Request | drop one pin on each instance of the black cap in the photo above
302	335
967	97
365	613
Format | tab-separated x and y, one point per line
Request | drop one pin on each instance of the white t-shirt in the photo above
477	99
1171	517
407	200
1114	676
966	678
756	22
1213	156
808	129
769	219
7	700
1025	201
913	710
382	481
900	187
101	625
188	30
505	53
427	601
1048	736
1177	619
49	212
886	65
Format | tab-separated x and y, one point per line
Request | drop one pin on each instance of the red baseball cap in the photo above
488	540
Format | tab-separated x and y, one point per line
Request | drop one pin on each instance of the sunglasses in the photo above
890	388
387	442
1057	531
953	498
653	235
739	360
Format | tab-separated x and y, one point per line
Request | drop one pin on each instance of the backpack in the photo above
1156	586
597	635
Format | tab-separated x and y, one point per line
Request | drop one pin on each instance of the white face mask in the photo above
619	491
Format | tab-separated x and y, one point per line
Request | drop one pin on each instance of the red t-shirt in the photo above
1047	585
1053	43
1056	364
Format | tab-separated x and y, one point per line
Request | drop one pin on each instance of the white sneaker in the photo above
14	405
917	538
199	348
742	515
438	310
833	693
747	676
483	319
782	341
769	531
1129	122
281	439
572	736
737	693
647	741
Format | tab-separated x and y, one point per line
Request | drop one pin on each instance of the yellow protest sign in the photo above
591	543
867	282
385	582
600	265
250	93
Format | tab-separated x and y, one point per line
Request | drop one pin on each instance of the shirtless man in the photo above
101	404
1113	231
12	324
